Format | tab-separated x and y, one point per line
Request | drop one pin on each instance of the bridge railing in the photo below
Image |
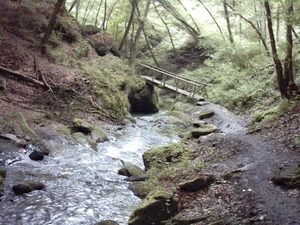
192	86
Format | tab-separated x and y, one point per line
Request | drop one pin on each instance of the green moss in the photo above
162	156
26	129
82	126
77	122
59	128
159	205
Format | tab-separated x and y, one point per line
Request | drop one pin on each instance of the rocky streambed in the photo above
187	165
77	180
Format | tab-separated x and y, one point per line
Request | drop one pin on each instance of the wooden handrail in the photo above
165	72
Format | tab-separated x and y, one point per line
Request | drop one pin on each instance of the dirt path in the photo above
249	196
263	160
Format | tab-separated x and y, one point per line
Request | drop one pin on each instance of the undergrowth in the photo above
241	77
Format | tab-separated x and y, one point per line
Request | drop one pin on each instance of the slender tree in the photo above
58	6
278	65
288	63
72	5
167	27
228	22
104	15
170	8
212	16
139	30
130	21
192	18
253	26
98	11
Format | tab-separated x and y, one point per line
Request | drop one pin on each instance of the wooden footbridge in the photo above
181	85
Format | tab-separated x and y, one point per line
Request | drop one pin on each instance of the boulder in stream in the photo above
27	187
36	155
130	170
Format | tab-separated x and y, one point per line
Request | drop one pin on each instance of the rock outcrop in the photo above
144	99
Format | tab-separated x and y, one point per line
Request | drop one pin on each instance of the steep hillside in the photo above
68	77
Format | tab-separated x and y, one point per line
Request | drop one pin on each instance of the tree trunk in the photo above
57	8
278	65
169	7
168	30
104	16
212	18
130	21
139	31
98	11
150	48
72	6
277	23
255	28
179	1
109	13
288	63
228	22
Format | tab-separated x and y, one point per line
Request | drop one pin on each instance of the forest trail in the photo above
259	161
255	160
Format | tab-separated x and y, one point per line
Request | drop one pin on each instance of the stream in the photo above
83	185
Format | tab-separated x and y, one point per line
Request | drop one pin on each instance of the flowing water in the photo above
82	185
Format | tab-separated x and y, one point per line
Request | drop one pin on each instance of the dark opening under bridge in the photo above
159	77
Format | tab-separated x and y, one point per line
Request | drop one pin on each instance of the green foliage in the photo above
237	74
277	110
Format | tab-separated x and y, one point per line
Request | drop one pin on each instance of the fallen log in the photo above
22	76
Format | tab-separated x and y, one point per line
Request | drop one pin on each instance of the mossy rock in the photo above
139	188
144	100
27	187
59	128
162	156
204	130
18	120
199	123
80	138
158	206
198	183
287	181
130	170
98	135
82	126
206	114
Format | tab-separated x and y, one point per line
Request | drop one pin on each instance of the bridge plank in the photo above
172	88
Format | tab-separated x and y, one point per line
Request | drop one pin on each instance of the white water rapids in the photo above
82	185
